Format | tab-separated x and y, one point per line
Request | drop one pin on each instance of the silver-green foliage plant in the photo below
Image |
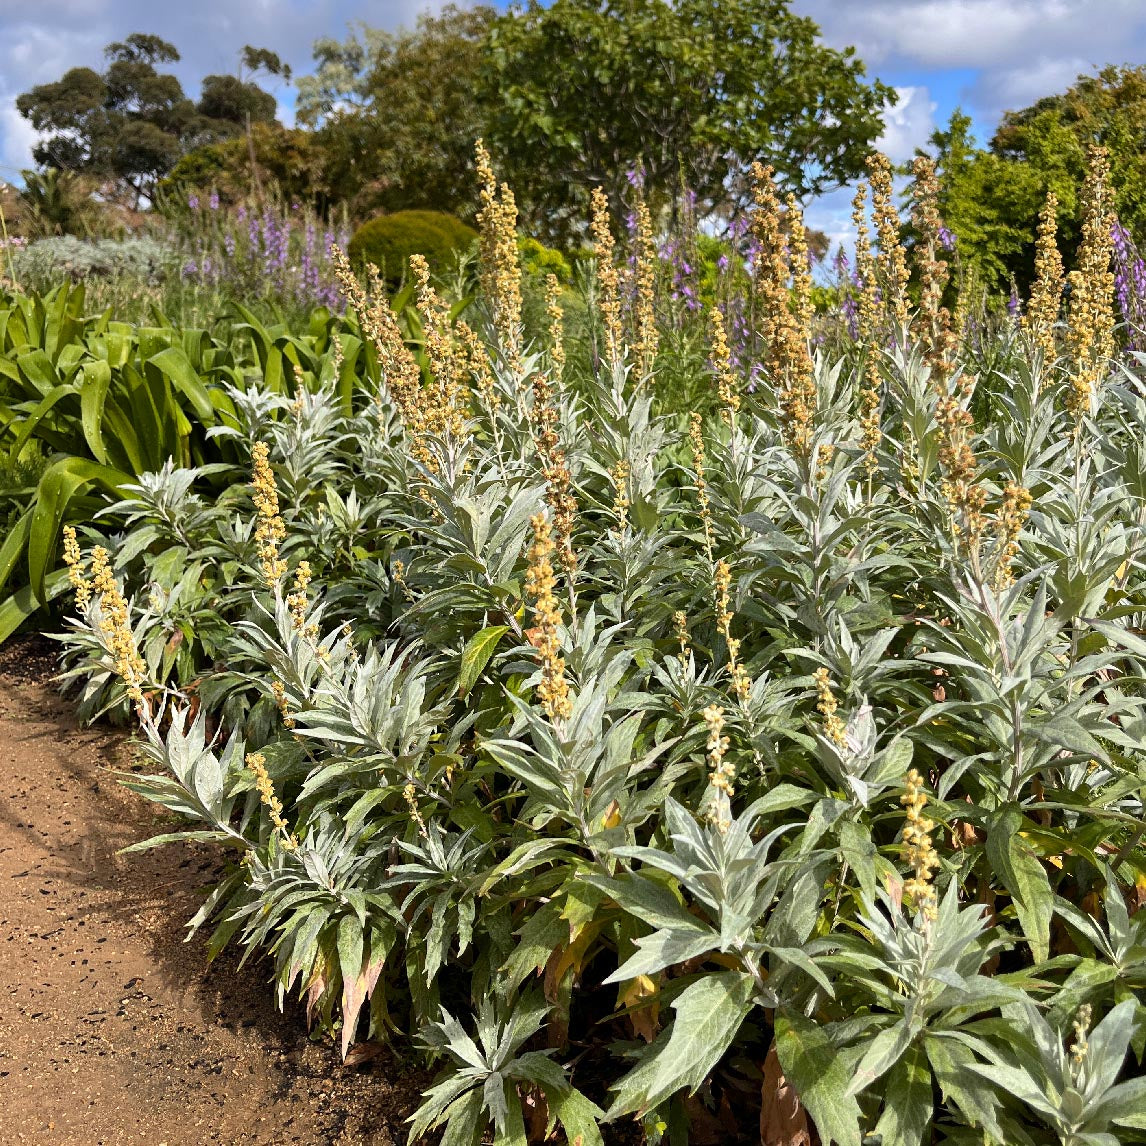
757	756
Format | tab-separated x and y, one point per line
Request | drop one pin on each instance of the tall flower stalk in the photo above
1090	322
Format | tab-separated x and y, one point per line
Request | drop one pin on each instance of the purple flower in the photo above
851	313
722	263
213	202
193	202
946	239
1129	285
1014	306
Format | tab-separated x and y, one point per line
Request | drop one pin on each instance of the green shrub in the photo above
47	262
390	240
540	260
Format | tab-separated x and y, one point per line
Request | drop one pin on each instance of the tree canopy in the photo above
132	122
396	113
991	196
693	90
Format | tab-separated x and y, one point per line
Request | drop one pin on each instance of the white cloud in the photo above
16	141
981	33
908	124
1018	87
832	214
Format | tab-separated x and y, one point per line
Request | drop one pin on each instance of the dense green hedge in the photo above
390	240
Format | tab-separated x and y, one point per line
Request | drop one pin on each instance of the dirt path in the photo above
112	1029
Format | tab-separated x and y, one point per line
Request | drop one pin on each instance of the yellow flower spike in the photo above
410	795
620	478
786	311
919	851
867	324
500	261
680	628
891	261
73	559
608	280
933	324
1090	327
444	404
553	691
722	584
380	328
297	601
556	318
278	689
696	439
645	276
834	728
966	497
726	384
1012	517
115	623
721	772
257	763
867	303
1046	294
270	529
544	422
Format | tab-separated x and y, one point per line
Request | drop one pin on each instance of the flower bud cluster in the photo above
786	311
1090	328
270	529
257	763
722	372
500	261
1046	294
1013	514
919	850
553	690
891	262
721	771
933	324
826	705
608	279
645	281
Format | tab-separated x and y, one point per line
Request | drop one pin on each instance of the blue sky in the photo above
984	55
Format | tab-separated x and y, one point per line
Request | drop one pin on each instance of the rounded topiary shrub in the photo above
390	240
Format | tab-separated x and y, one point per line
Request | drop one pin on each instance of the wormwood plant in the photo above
783	770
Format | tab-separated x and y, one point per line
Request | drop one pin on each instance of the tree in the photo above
286	158
693	90
991	198
1053	134
990	204
397	113
132	122
229	98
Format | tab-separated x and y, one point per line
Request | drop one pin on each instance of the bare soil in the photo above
112	1028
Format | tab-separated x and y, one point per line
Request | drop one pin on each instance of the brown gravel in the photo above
112	1029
